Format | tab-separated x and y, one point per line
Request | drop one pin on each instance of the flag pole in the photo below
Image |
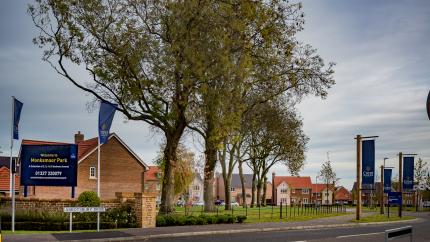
98	180
12	174
11	147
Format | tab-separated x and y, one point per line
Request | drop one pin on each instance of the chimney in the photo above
79	137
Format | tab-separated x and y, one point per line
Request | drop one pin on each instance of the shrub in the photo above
191	220
209	219
123	217
177	220
160	221
241	218
89	199
230	218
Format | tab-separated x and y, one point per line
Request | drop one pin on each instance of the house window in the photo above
305	191
293	191
283	190
305	201
197	188
232	189
158	187
93	172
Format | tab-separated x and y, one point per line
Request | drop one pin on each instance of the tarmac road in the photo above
369	233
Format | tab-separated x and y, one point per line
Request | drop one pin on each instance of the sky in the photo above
382	55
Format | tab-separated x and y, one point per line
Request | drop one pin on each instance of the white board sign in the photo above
84	209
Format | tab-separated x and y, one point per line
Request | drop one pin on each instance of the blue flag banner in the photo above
408	173
49	165
106	113
368	162
387	180
17	107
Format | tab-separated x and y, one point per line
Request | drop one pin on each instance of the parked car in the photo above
180	203
234	204
198	203
426	204
219	202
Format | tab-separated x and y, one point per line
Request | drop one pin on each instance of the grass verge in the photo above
382	218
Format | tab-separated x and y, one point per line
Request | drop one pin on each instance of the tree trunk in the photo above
227	192
168	189
253	189
264	191
209	170
242	181
259	188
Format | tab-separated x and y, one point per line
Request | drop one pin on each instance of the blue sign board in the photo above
387	180
49	165
368	162
408	173
394	198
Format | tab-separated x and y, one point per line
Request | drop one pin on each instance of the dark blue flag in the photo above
106	113
408	173
368	162
387	180
17	107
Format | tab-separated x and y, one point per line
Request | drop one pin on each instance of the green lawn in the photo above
382	218
268	214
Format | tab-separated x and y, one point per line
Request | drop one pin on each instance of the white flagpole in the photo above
11	147
12	175
98	176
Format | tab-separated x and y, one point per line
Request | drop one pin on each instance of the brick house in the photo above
236	189
195	189
152	181
299	189
342	195
322	195
5	176
121	169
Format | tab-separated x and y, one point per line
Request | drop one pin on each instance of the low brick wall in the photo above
35	204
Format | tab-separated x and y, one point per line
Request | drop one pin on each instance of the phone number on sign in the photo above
48	173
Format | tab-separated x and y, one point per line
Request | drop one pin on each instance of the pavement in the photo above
230	230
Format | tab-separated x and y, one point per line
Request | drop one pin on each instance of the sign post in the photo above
400	181
382	188
358	208
72	210
369	167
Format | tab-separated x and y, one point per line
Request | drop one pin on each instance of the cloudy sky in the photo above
383	77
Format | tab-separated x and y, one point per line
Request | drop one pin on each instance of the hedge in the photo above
56	226
179	220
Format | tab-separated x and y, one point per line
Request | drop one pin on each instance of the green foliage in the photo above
123	217
241	218
179	220
183	172
89	199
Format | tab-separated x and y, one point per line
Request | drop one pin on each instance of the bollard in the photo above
280	213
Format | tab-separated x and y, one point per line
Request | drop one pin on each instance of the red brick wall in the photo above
120	172
54	205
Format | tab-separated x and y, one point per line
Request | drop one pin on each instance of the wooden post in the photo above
401	182
358	208
382	191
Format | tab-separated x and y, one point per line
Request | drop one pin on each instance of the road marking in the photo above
355	235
